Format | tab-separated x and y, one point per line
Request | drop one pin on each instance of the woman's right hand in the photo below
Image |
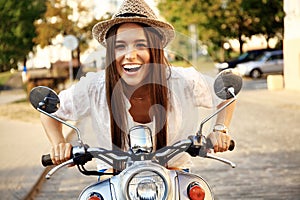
60	153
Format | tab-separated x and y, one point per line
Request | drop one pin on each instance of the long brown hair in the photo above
158	88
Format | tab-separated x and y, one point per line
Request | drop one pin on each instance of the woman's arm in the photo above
61	150
225	116
220	138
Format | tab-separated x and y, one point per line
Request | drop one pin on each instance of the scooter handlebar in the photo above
78	158
47	161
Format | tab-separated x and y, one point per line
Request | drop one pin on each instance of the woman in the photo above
138	87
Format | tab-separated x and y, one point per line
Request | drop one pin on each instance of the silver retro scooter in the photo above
144	175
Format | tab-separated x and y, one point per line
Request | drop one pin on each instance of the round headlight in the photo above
147	185
147	189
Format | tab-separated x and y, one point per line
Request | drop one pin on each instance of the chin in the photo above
132	82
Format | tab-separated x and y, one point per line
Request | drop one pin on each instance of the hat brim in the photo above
166	30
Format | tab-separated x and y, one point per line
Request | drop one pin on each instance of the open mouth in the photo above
131	68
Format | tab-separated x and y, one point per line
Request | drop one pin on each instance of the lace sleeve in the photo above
197	86
203	91
75	102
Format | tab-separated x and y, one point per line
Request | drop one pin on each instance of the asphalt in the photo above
21	147
265	127
22	144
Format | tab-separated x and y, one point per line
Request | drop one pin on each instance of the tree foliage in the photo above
17	30
220	20
268	16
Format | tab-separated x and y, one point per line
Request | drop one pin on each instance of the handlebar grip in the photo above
46	160
231	145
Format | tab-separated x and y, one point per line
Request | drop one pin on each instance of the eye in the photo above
141	45
120	46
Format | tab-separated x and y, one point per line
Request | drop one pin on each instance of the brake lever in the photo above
201	146
211	156
56	168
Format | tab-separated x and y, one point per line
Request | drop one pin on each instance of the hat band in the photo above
131	15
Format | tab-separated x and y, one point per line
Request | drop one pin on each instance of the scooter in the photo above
144	175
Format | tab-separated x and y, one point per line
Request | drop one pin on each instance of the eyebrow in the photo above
135	41
141	40
138	40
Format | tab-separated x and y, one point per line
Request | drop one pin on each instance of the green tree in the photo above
17	30
233	21
182	14
205	14
243	18
220	20
268	15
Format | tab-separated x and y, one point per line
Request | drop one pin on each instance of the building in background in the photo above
291	45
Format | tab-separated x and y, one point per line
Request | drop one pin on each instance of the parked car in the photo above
271	62
245	57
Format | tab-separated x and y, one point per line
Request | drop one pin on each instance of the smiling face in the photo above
132	53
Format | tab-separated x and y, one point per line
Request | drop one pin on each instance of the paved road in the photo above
266	129
21	146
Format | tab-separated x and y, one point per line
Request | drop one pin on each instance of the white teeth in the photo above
131	66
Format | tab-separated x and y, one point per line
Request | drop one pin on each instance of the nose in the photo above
131	54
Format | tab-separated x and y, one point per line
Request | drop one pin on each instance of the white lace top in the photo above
189	91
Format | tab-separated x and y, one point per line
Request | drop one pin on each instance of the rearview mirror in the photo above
44	98
226	80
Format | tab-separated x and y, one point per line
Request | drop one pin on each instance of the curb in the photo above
36	187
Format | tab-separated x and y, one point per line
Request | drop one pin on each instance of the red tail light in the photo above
95	196
195	191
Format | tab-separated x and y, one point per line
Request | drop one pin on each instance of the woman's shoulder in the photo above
184	72
95	76
90	82
93	79
189	76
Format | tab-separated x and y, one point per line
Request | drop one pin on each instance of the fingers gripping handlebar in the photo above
211	146
79	155
200	149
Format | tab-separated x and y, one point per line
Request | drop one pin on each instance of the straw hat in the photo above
134	11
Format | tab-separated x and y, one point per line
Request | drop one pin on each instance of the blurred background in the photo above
49	42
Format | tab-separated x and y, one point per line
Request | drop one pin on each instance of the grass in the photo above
4	77
20	110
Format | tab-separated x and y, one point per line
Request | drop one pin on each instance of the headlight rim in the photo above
156	172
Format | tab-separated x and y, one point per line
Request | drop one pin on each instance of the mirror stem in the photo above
63	122
231	91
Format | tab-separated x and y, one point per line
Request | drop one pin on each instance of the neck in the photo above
136	92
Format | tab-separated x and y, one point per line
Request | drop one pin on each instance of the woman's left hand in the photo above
220	141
